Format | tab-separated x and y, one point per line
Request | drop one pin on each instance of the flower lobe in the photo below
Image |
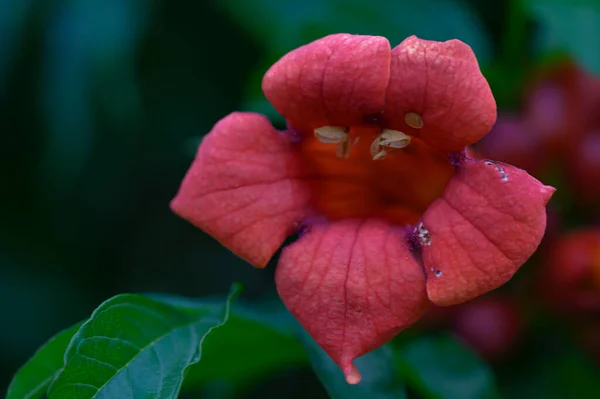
337	80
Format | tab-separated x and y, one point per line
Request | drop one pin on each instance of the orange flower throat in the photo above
361	172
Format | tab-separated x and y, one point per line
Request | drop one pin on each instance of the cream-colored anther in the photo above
342	150
331	134
380	155
394	139
377	151
388	139
413	120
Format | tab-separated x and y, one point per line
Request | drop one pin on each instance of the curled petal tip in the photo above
173	205
353	376
547	192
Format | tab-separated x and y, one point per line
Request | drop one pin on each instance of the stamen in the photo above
413	120
394	139
342	150
377	152
388	138
380	155
331	134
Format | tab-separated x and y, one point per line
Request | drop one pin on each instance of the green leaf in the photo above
573	375
268	343
13	17
135	346
89	60
570	375
551	365
439	367
572	26
380	378
252	345
284	25
36	375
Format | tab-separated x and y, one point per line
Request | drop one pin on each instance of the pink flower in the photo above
372	171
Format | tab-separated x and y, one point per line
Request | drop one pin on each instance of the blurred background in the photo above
102	106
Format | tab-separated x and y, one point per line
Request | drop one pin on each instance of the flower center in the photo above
359	171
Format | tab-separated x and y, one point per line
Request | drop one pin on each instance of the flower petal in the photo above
353	285
442	82
337	80
243	189
487	223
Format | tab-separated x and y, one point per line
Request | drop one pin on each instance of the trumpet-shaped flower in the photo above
372	172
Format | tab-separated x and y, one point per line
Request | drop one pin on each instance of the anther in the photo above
342	150
331	134
377	152
392	139
413	120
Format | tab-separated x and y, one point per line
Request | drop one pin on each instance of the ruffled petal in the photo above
442	82
337	80
244	188
353	285
487	223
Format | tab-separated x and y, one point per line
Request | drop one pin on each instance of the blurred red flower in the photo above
562	113
490	325
571	276
557	108
511	142
560	126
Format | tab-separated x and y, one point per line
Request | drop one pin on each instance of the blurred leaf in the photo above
254	99
13	14
573	375
251	346
32	380
268	343
89	60
282	26
380	378
551	368
439	367
507	75
570	25
33	300
135	346
506	82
